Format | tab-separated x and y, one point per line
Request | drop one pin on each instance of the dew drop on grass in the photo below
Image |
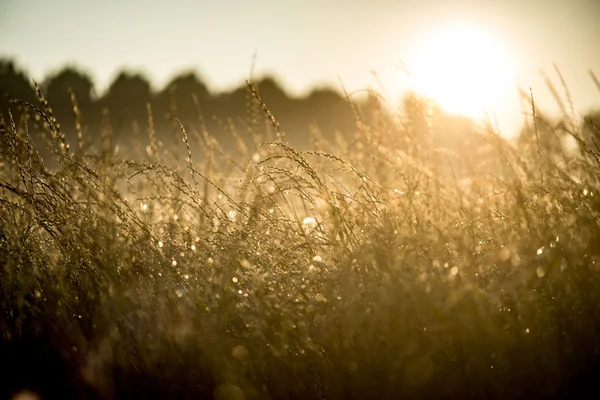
179	293
234	279
174	263
504	254
540	272
317	259
160	244
540	251
232	214
309	223
515	260
239	352
454	270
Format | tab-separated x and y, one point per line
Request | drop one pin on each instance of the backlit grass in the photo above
394	262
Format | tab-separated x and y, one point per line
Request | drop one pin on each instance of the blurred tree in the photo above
16	85
184	97
58	88
178	97
329	110
274	97
127	99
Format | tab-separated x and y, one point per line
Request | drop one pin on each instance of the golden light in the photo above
465	70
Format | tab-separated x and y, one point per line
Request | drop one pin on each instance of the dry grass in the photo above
378	266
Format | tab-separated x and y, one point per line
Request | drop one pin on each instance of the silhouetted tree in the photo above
329	110
274	97
178	97
127	99
16	85
58	89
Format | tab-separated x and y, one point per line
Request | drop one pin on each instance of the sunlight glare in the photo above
465	70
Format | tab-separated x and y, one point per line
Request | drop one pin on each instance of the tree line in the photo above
129	103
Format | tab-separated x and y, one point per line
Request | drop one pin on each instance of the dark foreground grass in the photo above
377	266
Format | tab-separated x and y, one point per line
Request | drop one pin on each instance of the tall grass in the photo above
381	265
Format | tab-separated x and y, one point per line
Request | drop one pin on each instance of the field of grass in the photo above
379	265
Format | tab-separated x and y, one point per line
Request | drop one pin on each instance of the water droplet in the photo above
454	270
239	352
309	224
317	259
540	251
179	293
160	244
320	298
232	214
540	271
504	254
174	263
515	260
234	279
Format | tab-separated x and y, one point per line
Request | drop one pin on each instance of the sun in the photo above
465	70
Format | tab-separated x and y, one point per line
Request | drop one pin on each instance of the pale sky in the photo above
304	43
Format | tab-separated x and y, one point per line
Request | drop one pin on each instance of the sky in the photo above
312	43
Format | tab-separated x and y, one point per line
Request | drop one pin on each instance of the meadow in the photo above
378	264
